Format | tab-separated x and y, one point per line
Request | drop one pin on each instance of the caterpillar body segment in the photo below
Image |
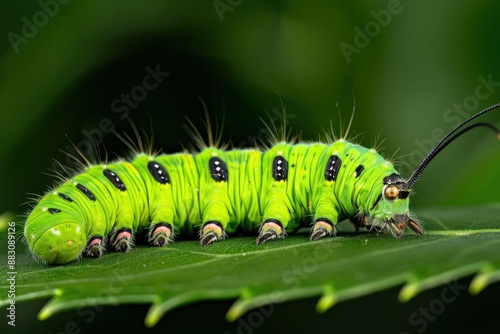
230	183
216	192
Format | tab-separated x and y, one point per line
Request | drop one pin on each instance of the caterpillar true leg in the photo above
414	226
360	220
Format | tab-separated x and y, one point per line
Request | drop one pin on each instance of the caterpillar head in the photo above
391	208
54	237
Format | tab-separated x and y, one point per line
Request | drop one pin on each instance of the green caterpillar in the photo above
219	192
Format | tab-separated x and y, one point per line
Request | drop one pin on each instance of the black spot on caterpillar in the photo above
219	191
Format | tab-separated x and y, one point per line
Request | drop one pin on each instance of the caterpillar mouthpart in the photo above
396	225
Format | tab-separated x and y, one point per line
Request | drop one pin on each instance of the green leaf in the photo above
458	242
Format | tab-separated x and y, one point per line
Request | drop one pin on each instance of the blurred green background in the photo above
411	62
405	65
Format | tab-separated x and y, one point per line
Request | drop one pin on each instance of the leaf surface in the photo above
458	242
